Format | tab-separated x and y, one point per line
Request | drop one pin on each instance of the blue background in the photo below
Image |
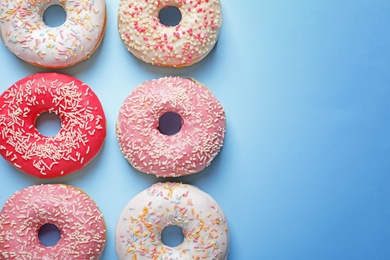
304	171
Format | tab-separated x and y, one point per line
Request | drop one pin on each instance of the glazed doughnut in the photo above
186	152
26	35
138	230
77	217
83	125
173	46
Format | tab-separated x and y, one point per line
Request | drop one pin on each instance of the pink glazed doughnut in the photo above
79	220
83	125
139	228
186	152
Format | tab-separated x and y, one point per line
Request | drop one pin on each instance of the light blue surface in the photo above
305	169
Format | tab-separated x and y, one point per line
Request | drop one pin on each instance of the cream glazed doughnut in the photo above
74	213
186	152
83	125
173	46
26	35
138	230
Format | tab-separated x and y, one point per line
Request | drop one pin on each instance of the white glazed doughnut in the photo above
173	46
26	35
74	213
138	230
186	152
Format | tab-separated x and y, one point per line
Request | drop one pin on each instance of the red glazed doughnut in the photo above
83	125
75	214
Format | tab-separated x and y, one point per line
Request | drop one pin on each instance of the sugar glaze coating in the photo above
79	220
26	35
192	148
83	125
173	46
138	230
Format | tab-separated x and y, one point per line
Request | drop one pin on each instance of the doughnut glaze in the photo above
173	46
83	125
26	35
192	148
79	220
138	230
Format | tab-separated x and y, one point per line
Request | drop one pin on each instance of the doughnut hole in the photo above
172	236
54	16
169	123
49	235
48	124
170	16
